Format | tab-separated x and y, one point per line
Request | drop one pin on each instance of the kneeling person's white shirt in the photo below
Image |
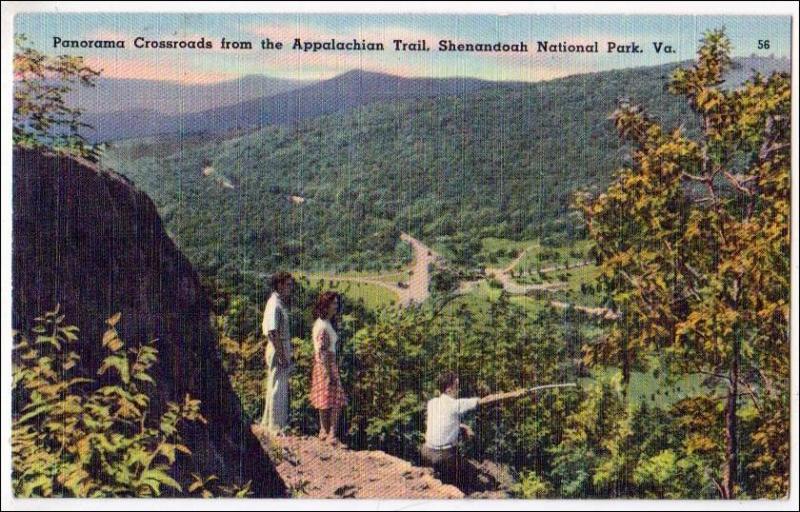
444	419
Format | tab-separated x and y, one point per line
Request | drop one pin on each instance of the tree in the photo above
41	114
693	241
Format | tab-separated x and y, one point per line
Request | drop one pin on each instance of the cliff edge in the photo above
87	239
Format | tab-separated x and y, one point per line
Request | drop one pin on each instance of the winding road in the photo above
419	281
415	289
503	275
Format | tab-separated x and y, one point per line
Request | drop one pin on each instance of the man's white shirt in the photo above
277	319
444	419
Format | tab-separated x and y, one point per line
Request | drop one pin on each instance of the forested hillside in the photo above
502	161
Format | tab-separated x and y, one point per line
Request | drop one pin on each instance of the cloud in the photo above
173	70
108	35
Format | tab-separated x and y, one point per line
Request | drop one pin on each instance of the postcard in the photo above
385	255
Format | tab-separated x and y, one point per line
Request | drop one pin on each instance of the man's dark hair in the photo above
280	277
446	380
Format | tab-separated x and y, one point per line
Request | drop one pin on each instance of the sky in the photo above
208	66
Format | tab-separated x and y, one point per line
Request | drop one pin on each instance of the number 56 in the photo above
763	44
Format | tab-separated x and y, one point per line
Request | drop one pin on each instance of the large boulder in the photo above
87	239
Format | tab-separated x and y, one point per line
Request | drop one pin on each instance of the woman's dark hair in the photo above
323	303
446	380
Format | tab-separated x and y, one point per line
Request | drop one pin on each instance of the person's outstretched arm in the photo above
499	397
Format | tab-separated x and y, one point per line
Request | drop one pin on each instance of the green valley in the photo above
333	195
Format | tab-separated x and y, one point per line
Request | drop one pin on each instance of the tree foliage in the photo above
693	242
42	116
452	168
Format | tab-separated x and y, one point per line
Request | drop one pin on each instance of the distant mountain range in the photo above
292	105
124	109
744	67
121	95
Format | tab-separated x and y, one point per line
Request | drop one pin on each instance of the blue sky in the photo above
191	66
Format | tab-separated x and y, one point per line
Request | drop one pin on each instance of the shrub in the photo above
531	485
73	443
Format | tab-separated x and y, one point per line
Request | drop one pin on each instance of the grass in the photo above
537	257
575	277
373	295
478	299
644	386
491	247
388	277
442	249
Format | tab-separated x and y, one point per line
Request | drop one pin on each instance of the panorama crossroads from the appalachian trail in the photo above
401	256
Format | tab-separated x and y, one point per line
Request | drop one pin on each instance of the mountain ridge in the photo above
499	161
117	95
299	101
343	92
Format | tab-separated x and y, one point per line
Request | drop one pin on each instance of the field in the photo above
499	252
374	296
580	284
479	297
541	257
645	387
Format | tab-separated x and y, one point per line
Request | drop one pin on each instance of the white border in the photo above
675	8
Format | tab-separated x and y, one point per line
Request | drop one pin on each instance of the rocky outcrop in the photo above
88	240
314	469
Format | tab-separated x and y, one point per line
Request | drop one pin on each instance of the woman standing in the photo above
327	394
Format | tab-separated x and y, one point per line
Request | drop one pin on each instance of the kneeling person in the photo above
443	425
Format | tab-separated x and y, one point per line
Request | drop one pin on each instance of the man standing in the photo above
278	354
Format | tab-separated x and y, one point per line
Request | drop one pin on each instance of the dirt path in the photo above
419	281
556	268
313	469
417	288
598	311
514	288
516	261
503	275
510	285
